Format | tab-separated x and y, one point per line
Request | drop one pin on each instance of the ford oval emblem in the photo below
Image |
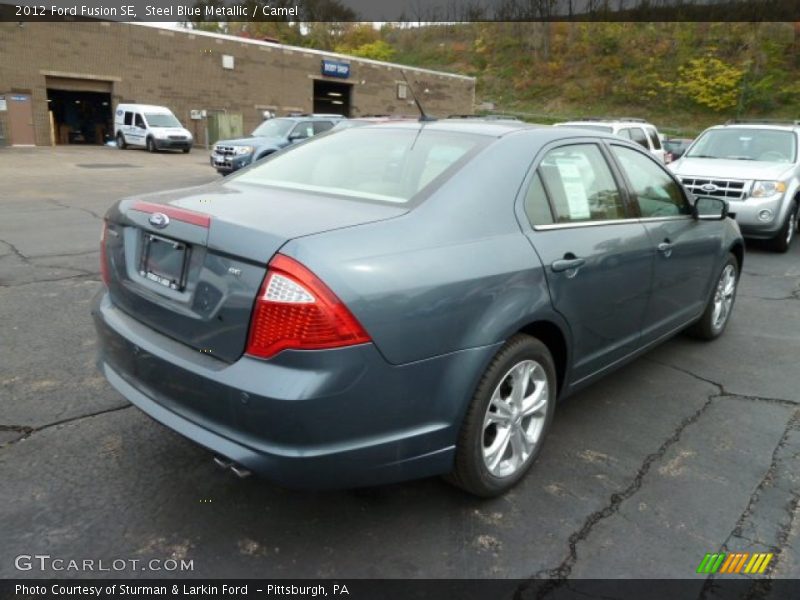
709	187
159	220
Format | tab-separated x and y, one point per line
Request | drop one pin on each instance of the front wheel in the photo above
187	150
718	311
782	241
150	145
507	419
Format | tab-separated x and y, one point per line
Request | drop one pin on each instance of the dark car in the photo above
675	147
404	300
228	156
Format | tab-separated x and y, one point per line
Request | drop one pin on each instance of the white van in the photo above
150	127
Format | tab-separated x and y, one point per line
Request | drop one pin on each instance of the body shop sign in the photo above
336	68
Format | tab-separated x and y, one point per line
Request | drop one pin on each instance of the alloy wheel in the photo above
723	297
515	418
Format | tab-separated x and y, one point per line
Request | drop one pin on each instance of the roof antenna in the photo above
422	115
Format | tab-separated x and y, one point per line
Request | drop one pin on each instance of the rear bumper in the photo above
314	420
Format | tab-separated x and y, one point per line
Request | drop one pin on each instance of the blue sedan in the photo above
404	300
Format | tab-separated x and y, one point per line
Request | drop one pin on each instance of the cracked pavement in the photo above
693	448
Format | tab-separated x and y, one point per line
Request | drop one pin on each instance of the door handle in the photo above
665	248
567	264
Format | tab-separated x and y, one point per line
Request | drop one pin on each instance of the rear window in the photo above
388	165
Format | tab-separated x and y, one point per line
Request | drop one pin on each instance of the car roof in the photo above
543	134
607	122
143	107
756	125
491	128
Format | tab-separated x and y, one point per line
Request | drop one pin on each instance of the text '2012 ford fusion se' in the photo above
404	300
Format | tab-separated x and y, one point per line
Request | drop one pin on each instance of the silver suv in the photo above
755	167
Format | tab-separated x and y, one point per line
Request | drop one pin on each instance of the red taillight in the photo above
104	272
296	310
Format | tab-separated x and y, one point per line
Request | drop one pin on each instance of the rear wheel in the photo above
507	419
121	142
150	145
718	311
782	241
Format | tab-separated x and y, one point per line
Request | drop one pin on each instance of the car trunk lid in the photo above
190	263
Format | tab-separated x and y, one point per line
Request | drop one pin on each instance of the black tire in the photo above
783	241
150	145
121	142
706	328
187	150
471	472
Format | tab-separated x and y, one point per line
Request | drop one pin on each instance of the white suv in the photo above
636	130
755	167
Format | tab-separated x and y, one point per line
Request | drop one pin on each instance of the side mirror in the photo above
296	137
710	209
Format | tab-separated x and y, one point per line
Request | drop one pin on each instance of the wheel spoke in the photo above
520	377
537	401
520	446
494	453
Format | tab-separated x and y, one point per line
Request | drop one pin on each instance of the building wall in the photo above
183	71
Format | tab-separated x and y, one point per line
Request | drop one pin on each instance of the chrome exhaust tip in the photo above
238	470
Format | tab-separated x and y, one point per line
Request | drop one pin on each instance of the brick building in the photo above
60	81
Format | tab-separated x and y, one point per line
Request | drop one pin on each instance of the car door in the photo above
597	256
686	248
139	130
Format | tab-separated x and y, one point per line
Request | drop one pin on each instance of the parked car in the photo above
674	148
150	127
228	156
754	167
406	299
637	130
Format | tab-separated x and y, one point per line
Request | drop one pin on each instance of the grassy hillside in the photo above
681	76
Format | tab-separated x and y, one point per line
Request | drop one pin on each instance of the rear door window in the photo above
638	136
128	118
654	138
580	185
537	207
322	126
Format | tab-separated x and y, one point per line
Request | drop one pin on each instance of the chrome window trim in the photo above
593	223
671	218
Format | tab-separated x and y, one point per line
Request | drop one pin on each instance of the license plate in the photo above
164	261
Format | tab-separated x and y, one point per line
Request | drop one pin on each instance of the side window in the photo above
580	185
626	133
139	121
657	194
303	130
638	136
322	126
651	133
536	205
128	118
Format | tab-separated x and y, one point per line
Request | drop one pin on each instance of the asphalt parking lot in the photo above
694	448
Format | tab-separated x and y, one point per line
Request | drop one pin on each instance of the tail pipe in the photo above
238	470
